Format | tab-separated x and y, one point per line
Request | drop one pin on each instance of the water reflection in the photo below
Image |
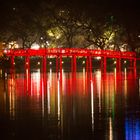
132	128
92	105
70	105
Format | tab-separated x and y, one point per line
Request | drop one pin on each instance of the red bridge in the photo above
70	52
73	52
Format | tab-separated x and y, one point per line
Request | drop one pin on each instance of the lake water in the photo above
70	105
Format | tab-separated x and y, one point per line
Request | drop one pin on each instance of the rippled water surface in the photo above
70	106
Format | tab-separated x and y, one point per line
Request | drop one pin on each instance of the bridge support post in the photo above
135	68
12	61
89	63
60	63
103	64
60	68
73	63
134	65
12	64
27	62
89	66
44	63
118	65
57	64
131	65
28	78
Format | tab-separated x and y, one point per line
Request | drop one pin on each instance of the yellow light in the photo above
35	46
98	58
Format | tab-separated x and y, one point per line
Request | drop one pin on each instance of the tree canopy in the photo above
53	24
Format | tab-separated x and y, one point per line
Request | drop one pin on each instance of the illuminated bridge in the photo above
73	53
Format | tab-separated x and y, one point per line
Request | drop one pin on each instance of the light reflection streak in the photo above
84	80
43	91
115	83
50	77
49	83
132	129
48	91
12	97
36	83
27	77
139	87
92	105
58	96
125	82
98	78
110	129
0	73
63	80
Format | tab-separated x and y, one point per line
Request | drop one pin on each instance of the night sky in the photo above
110	5
125	10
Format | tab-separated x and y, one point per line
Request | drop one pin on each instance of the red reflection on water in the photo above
86	99
37	82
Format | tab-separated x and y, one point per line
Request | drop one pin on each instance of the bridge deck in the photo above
70	52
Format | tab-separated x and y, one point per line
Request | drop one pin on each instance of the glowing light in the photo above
58	36
13	45
38	63
98	58
114	62
124	62
35	46
47	43
50	63
5	51
83	62
42	46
